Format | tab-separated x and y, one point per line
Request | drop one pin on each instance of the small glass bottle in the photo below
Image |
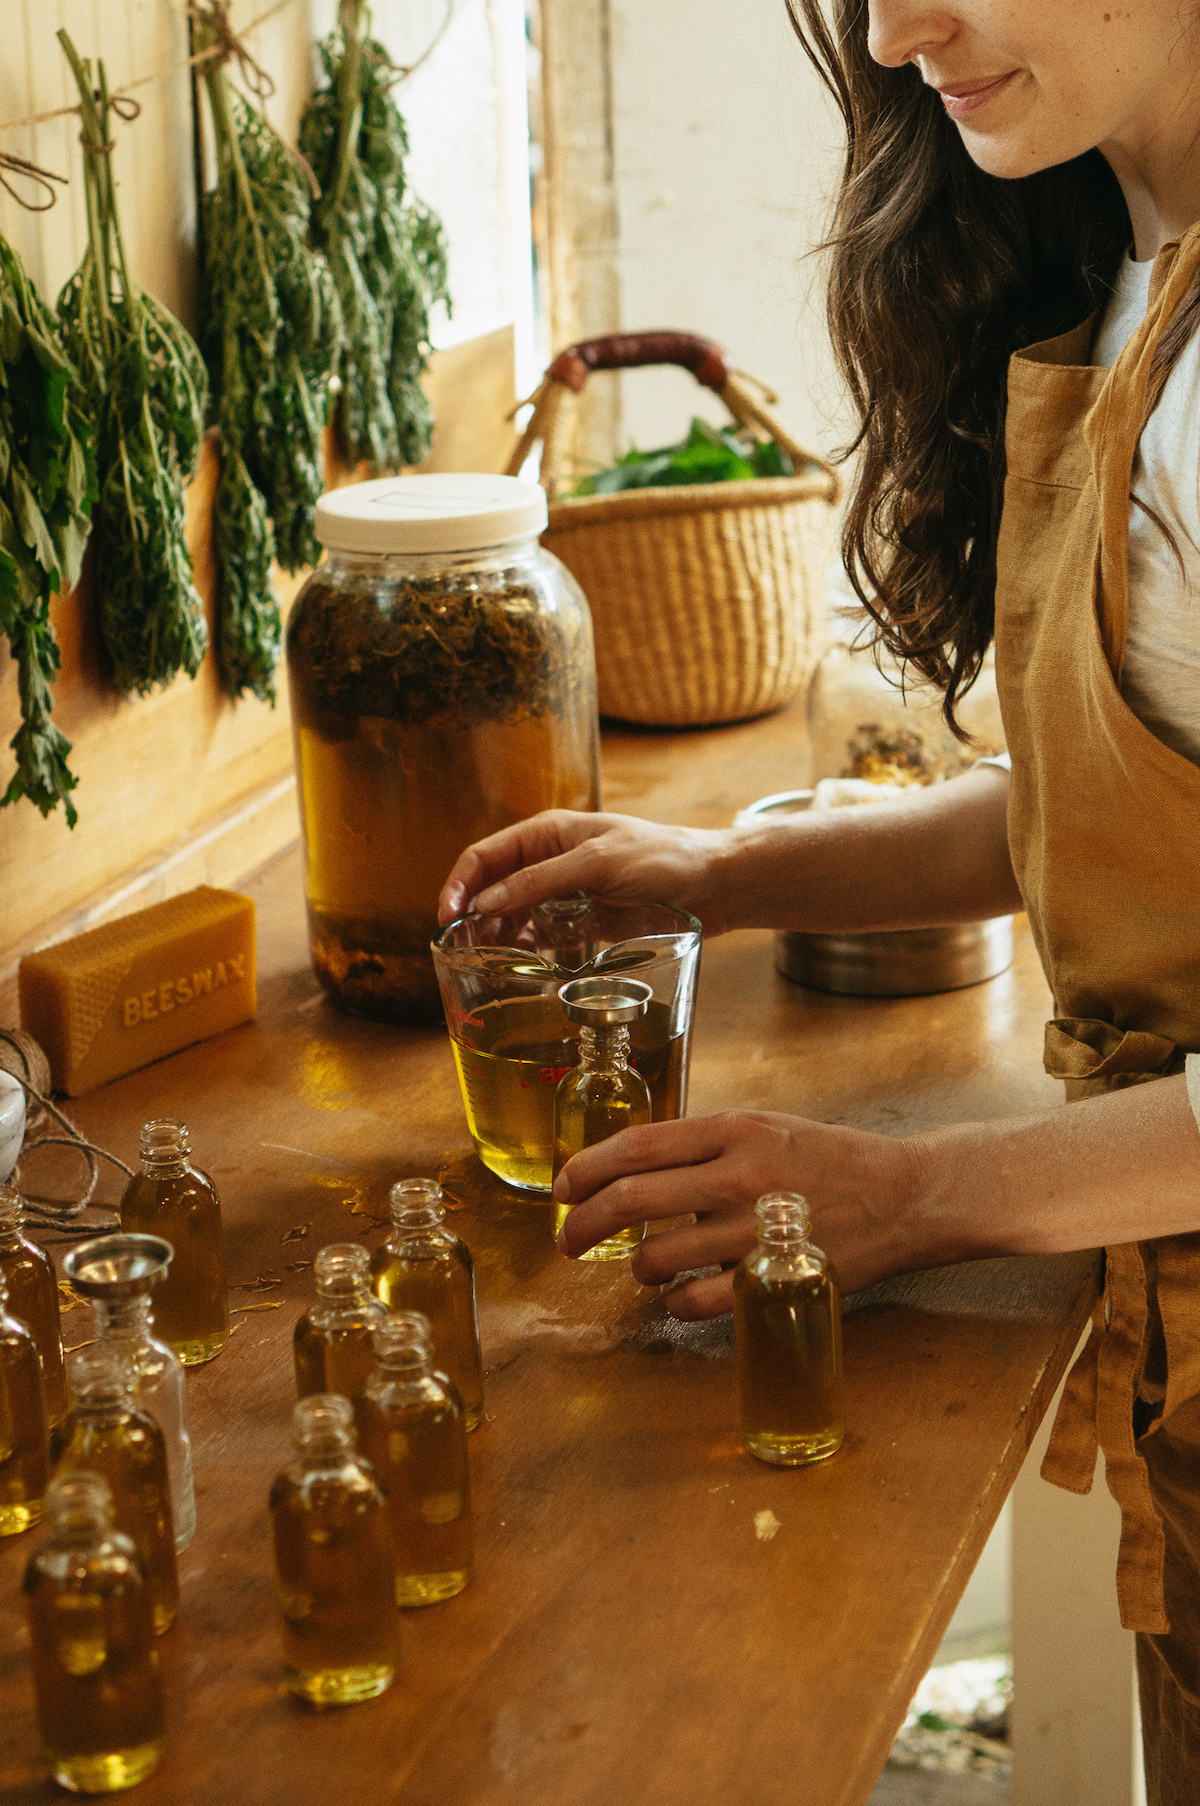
172	1198
412	1430
603	1094
24	1461
334	1562
119	1273
33	1296
424	1267
788	1336
95	1667
332	1340
106	1433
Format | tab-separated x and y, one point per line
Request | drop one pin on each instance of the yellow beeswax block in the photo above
144	986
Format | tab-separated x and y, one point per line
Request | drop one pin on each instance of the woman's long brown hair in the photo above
940	272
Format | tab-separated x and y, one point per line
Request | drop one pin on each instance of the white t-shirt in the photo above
1160	678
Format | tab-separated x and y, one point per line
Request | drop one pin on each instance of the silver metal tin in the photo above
900	962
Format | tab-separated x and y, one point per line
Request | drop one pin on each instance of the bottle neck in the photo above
123	1317
604	1049
164	1166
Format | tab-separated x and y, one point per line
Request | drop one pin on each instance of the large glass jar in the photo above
443	686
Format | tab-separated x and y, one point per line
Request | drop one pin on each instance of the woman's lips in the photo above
962	99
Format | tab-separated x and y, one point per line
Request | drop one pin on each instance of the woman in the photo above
1019	175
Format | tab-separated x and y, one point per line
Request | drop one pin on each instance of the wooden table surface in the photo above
656	1617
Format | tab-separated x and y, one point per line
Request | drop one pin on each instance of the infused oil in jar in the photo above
424	1267
788	1339
335	1566
412	1429
95	1667
33	1296
173	1199
603	1094
442	683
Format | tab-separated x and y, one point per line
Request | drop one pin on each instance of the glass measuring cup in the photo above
512	1042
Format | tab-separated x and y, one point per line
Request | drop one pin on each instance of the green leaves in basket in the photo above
709	454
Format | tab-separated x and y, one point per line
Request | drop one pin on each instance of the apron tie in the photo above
1092	1057
1097	1402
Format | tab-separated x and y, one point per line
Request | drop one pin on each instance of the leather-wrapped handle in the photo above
634	350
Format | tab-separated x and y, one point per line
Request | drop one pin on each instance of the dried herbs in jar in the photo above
442	682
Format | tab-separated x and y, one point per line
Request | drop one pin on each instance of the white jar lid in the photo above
444	511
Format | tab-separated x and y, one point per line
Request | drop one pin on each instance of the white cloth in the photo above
1160	679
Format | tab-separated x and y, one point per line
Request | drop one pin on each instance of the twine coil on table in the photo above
21	1056
707	599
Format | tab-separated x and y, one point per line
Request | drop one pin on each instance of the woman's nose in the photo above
901	30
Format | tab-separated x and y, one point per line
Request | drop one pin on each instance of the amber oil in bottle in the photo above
335	1568
173	1199
424	1267
603	1095
107	1434
33	1296
119	1274
332	1340
412	1429
24	1460
95	1667
788	1336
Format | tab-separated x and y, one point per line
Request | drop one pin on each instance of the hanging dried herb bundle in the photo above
143	385
272	326
385	248
47	487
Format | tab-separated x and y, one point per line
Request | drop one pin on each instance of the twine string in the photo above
21	1056
11	164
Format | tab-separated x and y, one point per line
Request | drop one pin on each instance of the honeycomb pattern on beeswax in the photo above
90	994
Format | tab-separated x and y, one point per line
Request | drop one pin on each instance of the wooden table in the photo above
656	1616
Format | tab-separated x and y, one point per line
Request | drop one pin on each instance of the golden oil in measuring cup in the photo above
522	1048
788	1339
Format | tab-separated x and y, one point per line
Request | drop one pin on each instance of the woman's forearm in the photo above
1119	1168
937	857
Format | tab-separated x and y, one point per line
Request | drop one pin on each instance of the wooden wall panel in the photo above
181	787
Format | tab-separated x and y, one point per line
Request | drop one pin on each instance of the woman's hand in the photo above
859	1188
616	858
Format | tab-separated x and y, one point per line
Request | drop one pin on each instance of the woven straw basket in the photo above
708	600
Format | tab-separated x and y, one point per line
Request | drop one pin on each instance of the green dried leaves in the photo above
273	325
386	251
47	488
464	649
143	384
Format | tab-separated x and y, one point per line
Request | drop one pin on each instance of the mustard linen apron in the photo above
1104	828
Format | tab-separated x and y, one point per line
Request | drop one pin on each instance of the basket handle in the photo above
747	400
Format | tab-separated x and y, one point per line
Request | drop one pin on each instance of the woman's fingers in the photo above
718	1242
697	1299
528	843
655	1148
